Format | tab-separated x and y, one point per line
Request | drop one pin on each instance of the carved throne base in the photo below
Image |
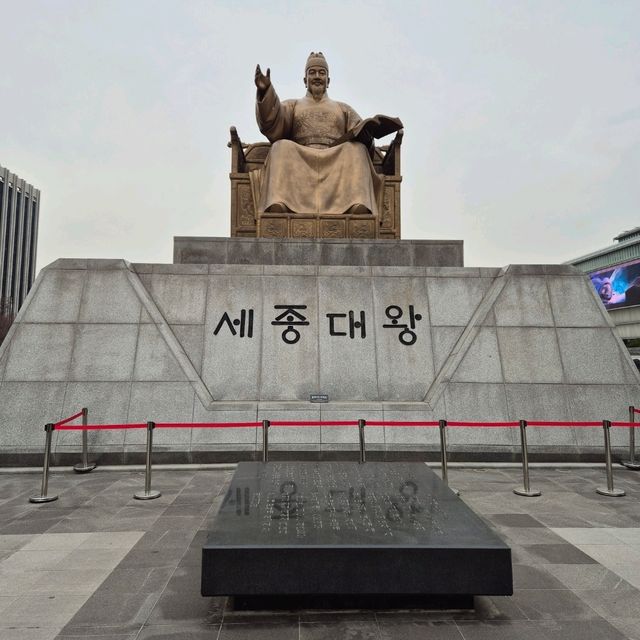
292	225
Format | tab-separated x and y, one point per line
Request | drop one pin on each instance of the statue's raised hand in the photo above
262	82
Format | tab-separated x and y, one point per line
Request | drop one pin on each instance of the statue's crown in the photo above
316	60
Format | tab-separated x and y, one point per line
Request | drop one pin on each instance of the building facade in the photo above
19	216
615	275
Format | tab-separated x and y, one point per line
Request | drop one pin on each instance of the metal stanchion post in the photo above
526	490
442	424
361	426
265	440
84	466
43	497
148	494
610	490
632	463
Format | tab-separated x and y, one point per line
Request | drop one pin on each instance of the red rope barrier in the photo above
63	426
313	423
69	419
400	423
635	410
205	425
97	427
483	424
561	423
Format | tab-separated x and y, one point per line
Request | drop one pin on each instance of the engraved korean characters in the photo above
349	323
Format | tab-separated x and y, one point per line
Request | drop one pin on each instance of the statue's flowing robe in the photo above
303	171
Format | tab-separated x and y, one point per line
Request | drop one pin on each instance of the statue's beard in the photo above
317	90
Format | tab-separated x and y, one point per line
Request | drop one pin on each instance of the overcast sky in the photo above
522	119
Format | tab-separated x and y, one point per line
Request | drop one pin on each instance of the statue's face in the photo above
316	80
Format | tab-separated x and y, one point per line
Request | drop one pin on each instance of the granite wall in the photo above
190	342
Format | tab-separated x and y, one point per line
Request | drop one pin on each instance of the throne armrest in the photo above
391	162
238	159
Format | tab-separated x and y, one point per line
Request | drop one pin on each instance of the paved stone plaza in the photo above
98	564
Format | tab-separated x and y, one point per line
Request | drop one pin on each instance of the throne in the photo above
248	223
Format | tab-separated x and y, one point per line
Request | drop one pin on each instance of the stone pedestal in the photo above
309	251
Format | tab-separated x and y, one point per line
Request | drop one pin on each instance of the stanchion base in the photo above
532	493
38	499
143	495
635	465
80	468
614	493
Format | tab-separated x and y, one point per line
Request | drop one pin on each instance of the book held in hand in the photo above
377	126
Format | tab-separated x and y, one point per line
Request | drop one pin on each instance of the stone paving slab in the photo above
98	564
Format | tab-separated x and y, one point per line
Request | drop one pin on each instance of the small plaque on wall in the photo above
319	397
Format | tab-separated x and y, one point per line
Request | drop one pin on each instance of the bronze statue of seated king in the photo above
321	174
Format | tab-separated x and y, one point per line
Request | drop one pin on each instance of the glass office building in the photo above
615	274
19	214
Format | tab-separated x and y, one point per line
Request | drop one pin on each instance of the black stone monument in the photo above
349	529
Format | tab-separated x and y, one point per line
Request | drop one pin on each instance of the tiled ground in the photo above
97	564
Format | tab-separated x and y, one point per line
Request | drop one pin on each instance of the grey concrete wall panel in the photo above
140	342
413	437
291	435
459	350
452	301
347	365
297	253
572	302
443	340
151	310
161	402
191	338
331	436
530	354
289	270
212	438
599	402
202	250
592	356
540	402
3	362
524	302
478	402
180	299
40	352
247	252
405	371
154	360
399	272
108	403
103	352
232	363
57	297
290	369
25	407
108	297
481	362
181	269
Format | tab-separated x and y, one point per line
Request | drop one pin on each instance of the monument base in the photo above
349	529
316	251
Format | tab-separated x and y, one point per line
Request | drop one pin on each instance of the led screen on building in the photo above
618	286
